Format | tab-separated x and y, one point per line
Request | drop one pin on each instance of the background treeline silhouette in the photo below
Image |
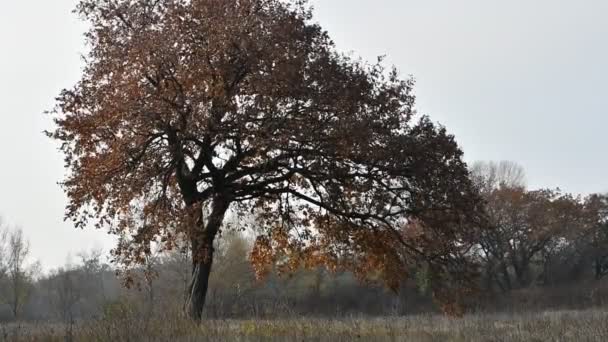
542	249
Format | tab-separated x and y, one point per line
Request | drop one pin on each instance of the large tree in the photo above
190	109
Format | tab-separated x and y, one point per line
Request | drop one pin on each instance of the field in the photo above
590	325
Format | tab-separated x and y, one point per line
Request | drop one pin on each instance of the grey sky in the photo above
520	80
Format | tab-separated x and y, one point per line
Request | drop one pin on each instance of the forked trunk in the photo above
202	238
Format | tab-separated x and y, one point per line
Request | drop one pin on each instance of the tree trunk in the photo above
202	238
522	272
506	276
599	272
198	288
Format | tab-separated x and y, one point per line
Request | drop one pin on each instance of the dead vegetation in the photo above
121	325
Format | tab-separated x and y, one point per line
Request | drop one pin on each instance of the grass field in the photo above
591	325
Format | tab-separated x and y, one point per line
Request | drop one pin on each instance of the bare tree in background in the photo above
490	175
67	295
179	266
20	274
94	269
3	249
150	270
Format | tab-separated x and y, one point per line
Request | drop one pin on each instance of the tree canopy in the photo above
189	110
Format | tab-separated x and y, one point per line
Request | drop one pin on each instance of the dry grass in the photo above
590	325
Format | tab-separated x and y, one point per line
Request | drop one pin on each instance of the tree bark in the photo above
522	272
198	288
599	270
202	257
506	276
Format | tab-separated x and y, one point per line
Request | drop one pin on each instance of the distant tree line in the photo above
538	237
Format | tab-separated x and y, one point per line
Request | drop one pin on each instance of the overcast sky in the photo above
519	80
